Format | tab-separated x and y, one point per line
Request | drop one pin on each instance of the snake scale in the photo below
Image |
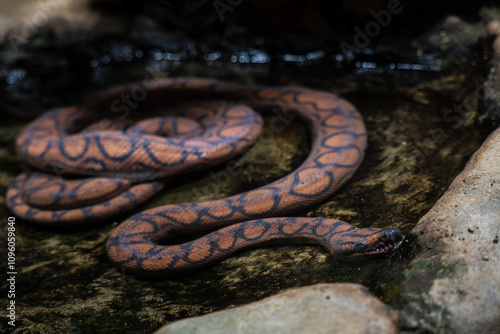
192	124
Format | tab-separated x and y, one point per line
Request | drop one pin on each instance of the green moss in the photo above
423	265
390	292
451	270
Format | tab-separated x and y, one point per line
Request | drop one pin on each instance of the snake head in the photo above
369	243
387	242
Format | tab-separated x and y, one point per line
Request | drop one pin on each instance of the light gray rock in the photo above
321	308
19	20
453	285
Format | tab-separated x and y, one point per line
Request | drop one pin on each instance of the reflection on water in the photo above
24	77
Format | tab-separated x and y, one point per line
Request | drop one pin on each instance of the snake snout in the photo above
393	236
390	240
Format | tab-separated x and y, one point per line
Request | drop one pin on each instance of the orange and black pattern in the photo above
123	157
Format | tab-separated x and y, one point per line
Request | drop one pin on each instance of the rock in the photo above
321	308
491	91
452	285
19	21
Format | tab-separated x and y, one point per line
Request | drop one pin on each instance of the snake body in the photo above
127	165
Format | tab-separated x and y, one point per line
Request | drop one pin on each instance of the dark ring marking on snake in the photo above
127	164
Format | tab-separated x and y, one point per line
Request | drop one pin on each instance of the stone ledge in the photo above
316	309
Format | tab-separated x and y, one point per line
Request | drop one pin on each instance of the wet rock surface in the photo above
316	309
49	37
452	285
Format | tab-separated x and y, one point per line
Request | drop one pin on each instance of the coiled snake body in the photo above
127	164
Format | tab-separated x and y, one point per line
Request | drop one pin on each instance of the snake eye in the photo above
360	248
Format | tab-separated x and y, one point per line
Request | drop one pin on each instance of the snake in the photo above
106	156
